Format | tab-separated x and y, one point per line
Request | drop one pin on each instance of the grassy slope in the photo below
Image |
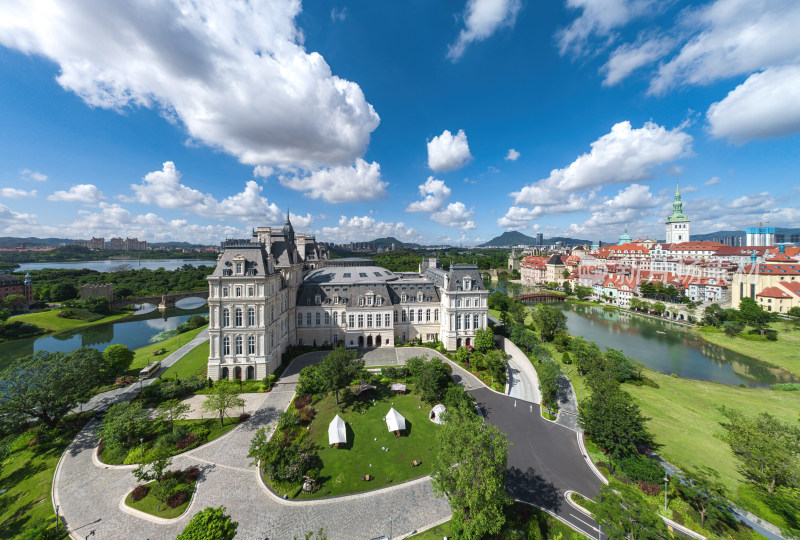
193	363
343	467
27	474
782	353
685	418
50	321
143	356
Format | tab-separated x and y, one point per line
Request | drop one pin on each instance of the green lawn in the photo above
144	355
27	475
343	467
782	353
112	457
193	363
150	505
50	321
685	418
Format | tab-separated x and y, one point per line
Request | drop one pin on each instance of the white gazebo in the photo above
395	421
337	433
436	413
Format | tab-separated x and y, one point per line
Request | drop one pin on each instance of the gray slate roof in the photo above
257	260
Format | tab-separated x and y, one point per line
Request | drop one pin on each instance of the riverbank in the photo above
782	353
144	355
51	322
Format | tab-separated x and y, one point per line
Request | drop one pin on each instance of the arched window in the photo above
411	315
251	317
238	318
327	319
343	319
335	318
395	317
476	321
226	346
427	315
308	319
251	345
458	322
318	318
435	314
458	302
238	344
403	298
403	317
466	321
299	319
419	315
226	317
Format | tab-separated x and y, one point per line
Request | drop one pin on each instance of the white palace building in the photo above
279	288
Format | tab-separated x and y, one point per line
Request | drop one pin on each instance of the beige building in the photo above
774	284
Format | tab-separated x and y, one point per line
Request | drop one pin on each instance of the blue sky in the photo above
435	122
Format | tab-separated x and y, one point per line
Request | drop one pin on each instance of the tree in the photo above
15	301
4	315
463	354
431	380
63	291
732	328
125	423
706	494
615	422
470	472
658	307
338	369
549	320
48	385
152	469
210	524
623	512
222	398
498	300
285	457
583	292
754	315
172	410
484	339
517	311
118	359
567	288
497	364
794	312
768	450
549	374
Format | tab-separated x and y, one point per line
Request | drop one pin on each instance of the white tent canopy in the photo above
437	412
395	421
337	433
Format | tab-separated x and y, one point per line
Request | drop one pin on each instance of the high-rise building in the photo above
760	236
677	223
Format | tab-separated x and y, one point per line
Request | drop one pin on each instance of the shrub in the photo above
243	417
649	489
640	468
139	492
191	474
186	441
302	401
288	419
177	499
125	381
392	372
786	387
307	415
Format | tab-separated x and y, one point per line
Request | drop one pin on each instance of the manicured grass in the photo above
685	418
27	475
144	355
193	363
436	533
782	353
150	505
111	457
343	467
50	321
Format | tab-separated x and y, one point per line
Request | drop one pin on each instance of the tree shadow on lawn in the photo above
530	487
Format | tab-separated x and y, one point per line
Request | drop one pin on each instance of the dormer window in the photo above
360	300
403	298
335	299
238	268
317	299
378	301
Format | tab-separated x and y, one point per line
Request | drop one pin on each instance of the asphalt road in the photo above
544	459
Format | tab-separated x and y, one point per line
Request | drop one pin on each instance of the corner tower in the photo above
677	223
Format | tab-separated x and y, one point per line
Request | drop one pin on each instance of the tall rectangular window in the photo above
369	320
351	320
411	315
361	321
251	317
388	319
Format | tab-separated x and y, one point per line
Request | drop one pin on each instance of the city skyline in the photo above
432	124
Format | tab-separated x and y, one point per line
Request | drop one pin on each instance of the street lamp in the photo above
390	527
141	441
666	479
57	520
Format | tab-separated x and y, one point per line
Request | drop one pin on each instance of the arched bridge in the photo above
163	301
539	298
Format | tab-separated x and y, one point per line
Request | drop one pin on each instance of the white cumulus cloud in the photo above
624	155
434	193
362	228
766	105
629	57
482	18
28	174
447	152
598	18
713	181
235	74
85	193
360	182
14	193
455	215
512	155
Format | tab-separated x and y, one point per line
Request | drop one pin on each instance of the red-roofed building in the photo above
533	270
756	278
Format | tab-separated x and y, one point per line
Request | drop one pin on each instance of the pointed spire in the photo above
677	188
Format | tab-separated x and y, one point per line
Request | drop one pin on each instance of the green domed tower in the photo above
677	223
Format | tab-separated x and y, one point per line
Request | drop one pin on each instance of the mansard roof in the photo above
256	260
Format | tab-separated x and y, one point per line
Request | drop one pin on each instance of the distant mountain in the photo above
389	240
516	238
175	245
14	241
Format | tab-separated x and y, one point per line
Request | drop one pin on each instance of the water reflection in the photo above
143	309
190	303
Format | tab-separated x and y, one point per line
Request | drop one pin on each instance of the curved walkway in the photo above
523	381
89	495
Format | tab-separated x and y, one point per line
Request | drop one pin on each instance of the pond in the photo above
133	332
113	265
666	347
